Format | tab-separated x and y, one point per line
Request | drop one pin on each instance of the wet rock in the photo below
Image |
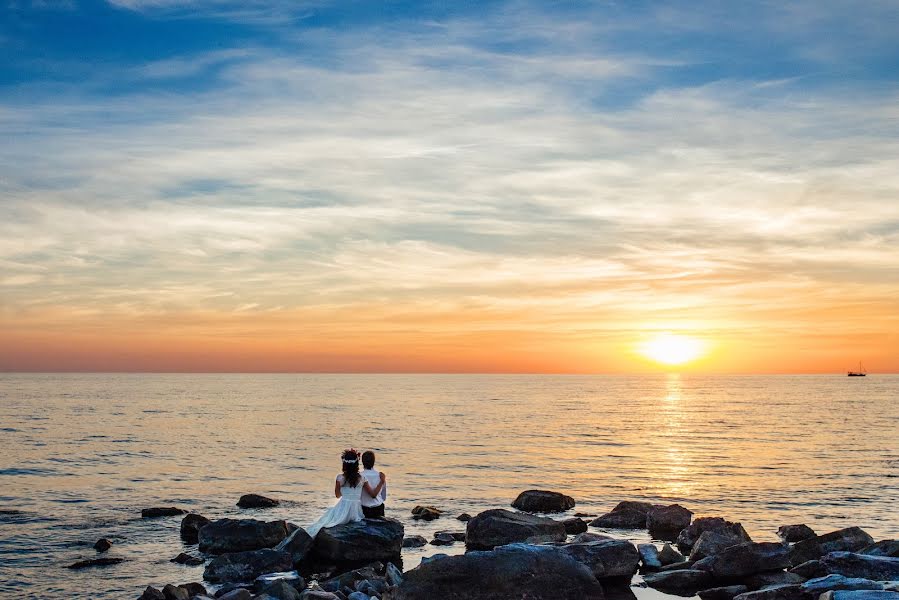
882	548
772	578
186	559
606	559
713	542
151	593
425	513
102	545
516	571
746	559
281	590
152	513
574	526
819	585
241	535
795	533
498	527
683	582
247	565
668	555
443	539
859	595
95	562
464	517
781	592
849	540
414	541
691	534
649	556
256	501
666	522
171	592
810	569
361	541
879	568
542	501
190	527
723	593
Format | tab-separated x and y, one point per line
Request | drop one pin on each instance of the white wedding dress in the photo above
347	510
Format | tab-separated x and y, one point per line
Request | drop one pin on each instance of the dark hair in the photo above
350	459
368	459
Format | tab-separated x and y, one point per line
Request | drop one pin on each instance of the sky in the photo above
548	187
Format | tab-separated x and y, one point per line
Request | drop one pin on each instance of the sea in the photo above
82	454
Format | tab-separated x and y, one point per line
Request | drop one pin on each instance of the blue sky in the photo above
580	172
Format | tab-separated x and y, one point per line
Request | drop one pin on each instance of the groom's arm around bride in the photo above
372	507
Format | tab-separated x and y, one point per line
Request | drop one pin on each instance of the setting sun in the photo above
672	349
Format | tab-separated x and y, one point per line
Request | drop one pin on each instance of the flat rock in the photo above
666	522
683	582
849	564
687	538
810	569
361	541
95	562
606	559
190	527
772	578
795	533
574	526
781	592
241	535
859	595
882	548
723	593
498	527
746	559
819	585
247	565
649	556
542	501
414	541
256	501
152	513
516	571
850	539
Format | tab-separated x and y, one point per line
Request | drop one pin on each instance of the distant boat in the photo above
860	373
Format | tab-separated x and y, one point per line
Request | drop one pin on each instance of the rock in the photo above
772	578
589	536
361	541
190	527
882	548
394	575
649	556
414	541
780	592
298	544
666	522
319	595
691	534
464	517
425	513
281	590
247	565
186	559
151	513
668	555
859	595
256	501
291	577
443	539
795	533
95	562
678	566
606	559
574	526
879	568
151	593
683	582
621	519
723	593
236	594
516	571
746	559
849	539
358	596
102	545
713	542
194	589
542	501
497	527
241	535
171	592
819	585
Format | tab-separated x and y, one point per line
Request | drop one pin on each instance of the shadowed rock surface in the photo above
362	541
246	566
685	581
256	501
498	527
152	513
746	559
666	522
687	538
543	501
795	533
849	564
240	535
849	539
190	527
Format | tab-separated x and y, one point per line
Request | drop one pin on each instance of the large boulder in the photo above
246	566
746	559
795	533
850	539
849	564
367	540
606	559
626	515
190	527
540	501
687	538
713	542
666	522
497	527
682	582
240	535
515	571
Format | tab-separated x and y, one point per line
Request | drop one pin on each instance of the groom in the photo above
372	507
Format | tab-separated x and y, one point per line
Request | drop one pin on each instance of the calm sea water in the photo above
82	454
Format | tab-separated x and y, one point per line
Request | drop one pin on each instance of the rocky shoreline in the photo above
525	554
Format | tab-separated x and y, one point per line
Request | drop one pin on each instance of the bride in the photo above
348	487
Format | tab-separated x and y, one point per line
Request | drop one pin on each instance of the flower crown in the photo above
350	461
